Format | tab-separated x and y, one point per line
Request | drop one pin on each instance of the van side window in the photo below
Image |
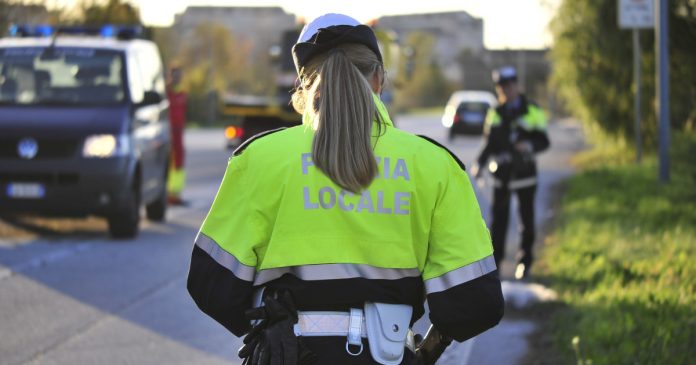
152	72
135	81
158	72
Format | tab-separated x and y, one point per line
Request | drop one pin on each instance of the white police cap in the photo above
325	21
327	32
504	74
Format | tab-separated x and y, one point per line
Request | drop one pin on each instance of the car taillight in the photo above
233	132
456	118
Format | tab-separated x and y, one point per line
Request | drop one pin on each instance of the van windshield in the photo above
61	76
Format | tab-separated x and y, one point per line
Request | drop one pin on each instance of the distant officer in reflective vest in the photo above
346	223
178	104
515	133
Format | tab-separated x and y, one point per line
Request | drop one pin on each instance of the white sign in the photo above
636	14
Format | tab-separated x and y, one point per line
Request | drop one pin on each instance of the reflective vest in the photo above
276	213
526	124
534	119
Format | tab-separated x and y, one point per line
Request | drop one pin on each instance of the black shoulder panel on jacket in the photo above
218	292
465	310
459	162
249	141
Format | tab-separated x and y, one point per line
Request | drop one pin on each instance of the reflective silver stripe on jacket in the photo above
334	272
516	184
461	275
522	183
224	258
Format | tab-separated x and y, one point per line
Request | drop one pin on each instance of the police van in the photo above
84	125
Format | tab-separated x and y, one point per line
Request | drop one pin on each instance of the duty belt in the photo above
319	324
350	324
329	323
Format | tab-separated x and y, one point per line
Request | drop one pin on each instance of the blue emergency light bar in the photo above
106	31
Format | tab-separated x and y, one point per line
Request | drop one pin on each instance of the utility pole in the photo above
661	51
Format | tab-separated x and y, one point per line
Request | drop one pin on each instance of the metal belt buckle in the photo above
354	331
411	341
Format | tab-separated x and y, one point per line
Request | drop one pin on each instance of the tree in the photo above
4	18
215	62
592	61
168	42
22	12
424	85
96	12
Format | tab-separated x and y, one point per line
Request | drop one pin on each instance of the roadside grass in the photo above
622	259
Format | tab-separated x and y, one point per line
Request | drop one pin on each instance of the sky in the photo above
507	23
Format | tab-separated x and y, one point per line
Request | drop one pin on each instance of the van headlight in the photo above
105	145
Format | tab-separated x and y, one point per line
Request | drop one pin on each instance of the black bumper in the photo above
466	128
70	187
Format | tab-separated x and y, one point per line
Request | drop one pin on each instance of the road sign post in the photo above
636	78
636	15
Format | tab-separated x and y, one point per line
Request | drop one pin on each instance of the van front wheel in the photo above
156	211
124	223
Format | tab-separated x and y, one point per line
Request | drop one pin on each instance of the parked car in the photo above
465	112
84	125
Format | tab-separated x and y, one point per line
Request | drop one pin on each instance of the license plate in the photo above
473	118
25	190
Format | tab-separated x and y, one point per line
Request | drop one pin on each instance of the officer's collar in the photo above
521	107
515	103
383	115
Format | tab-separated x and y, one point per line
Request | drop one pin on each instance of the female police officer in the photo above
346	222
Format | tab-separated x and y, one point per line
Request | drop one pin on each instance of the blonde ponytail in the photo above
339	97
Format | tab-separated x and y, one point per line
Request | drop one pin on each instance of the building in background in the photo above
532	66
464	60
459	48
259	27
454	33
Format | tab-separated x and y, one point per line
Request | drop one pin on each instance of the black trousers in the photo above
332	351
501	215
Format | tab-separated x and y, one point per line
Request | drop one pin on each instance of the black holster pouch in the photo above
272	340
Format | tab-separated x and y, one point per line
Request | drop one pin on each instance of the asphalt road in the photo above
70	295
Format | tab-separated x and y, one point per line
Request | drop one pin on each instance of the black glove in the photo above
272	340
430	348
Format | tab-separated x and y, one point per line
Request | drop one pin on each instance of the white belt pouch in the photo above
387	327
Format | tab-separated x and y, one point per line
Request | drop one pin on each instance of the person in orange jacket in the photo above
178	103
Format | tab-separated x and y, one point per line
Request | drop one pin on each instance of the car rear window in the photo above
473	107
